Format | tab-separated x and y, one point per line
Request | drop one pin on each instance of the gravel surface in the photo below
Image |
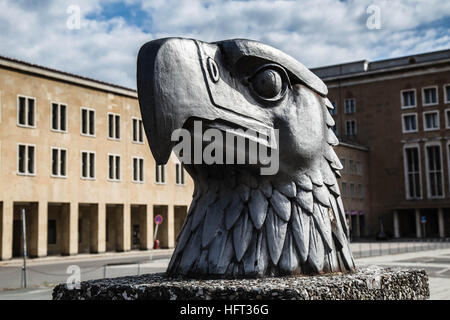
369	283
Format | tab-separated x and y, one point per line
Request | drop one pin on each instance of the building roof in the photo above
50	73
361	67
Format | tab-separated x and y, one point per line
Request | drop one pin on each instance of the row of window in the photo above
430	121
26	166
350	128
433	167
430	96
353	195
26	109
350	107
353	167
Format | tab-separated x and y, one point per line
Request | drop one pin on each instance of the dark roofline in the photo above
65	73
361	67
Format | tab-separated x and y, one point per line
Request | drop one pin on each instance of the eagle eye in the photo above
269	82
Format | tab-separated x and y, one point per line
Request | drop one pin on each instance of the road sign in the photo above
158	219
423	219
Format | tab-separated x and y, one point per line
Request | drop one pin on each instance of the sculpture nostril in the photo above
213	70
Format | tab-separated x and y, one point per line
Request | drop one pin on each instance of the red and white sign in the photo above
158	219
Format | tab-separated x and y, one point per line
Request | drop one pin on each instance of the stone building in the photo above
399	109
75	156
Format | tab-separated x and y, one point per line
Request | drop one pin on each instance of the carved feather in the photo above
281	205
276	233
300	230
257	206
305	200
316	249
289	259
242	234
233	211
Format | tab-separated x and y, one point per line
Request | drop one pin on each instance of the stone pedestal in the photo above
371	283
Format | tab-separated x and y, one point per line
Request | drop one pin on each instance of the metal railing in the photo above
363	249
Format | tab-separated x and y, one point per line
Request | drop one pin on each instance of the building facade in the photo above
74	155
400	110
354	186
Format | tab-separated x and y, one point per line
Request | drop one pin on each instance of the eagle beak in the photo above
173	87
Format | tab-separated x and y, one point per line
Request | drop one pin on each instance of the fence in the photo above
370	249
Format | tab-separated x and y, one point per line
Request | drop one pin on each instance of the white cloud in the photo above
315	32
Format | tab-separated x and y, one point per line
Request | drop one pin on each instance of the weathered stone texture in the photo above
372	283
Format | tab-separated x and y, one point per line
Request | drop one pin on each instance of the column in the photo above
6	233
171	226
98	224
37	222
396	224
441	223
69	214
146	225
123	216
418	226
150	227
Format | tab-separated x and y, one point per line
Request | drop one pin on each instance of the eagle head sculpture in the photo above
242	223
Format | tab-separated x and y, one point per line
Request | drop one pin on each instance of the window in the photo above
352	190
160	174
409	123
51	231
343	164
412	173
335	130
114	167
350	127
358	168
351	166
59	117
59	162
434	171
408	98
26	161
138	169
333	112
87	122
429	96
447	118
26	111
138	135
88	165
113	126
350	106
431	120
360	191
344	190
179	173
447	93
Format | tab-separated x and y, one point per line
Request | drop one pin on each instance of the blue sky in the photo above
316	32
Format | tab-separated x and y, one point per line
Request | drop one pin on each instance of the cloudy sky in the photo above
315	32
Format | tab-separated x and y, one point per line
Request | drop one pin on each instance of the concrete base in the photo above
370	283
